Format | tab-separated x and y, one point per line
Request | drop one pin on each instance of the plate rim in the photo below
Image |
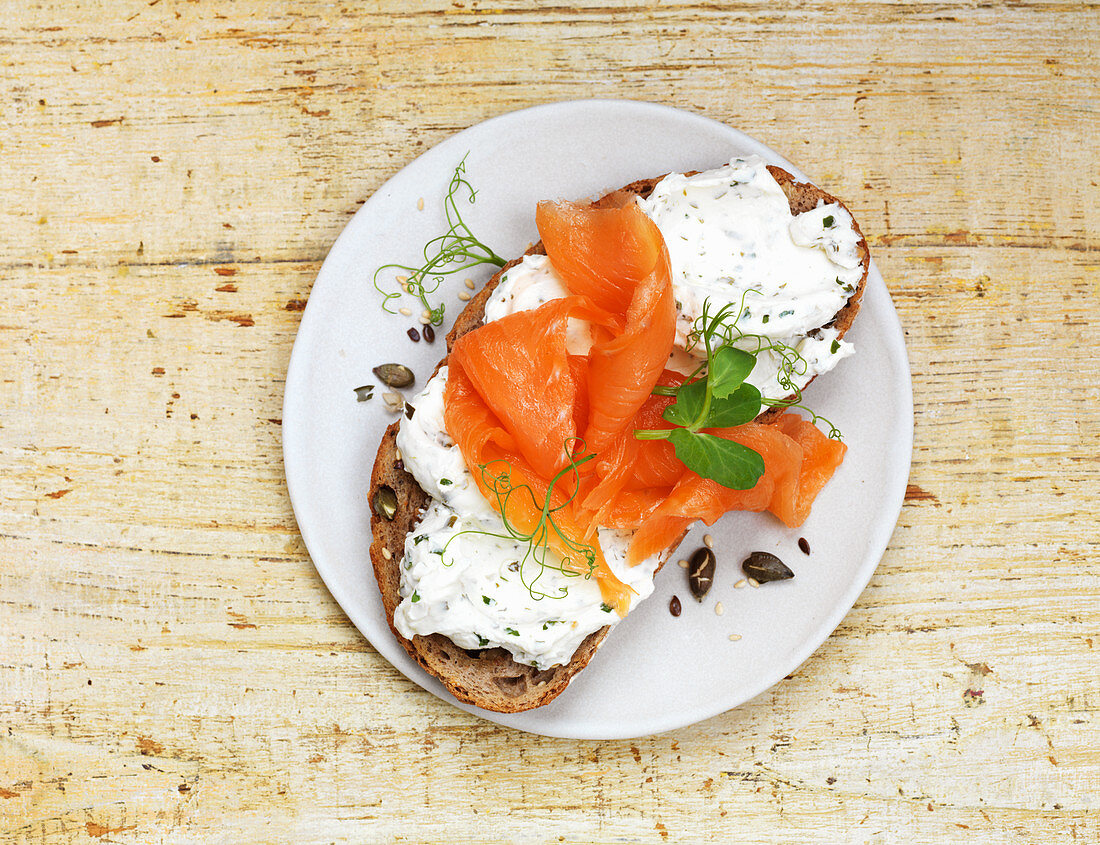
392	649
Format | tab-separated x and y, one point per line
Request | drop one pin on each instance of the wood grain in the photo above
171	667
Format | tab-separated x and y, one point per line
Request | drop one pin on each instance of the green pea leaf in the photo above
729	367
730	464
739	408
688	404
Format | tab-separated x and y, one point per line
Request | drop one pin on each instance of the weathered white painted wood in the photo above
171	667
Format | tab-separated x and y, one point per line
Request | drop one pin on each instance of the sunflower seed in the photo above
394	402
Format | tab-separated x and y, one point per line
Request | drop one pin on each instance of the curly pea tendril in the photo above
581	560
455	251
721	329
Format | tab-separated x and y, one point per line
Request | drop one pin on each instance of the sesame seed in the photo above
464	296
406	312
420	204
734	637
740	585
402	279
425	313
469	283
719	609
753	582
708	541
683	564
397	452
425	320
386	553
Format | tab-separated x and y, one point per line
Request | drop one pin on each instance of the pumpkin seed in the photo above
362	394
395	375
385	503
701	566
764	566
674	606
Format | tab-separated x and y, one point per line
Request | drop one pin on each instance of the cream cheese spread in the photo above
463	576
731	239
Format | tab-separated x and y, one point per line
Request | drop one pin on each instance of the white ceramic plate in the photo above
654	672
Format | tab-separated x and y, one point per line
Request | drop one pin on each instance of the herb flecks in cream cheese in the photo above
731	238
463	577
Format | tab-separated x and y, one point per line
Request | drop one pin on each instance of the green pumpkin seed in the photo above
764	567
385	503
394	375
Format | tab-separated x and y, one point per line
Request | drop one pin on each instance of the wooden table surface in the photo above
172	668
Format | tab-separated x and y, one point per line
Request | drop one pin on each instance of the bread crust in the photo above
490	678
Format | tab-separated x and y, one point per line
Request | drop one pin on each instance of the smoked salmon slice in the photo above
557	430
617	258
798	461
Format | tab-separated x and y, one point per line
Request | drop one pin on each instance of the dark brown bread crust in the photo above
489	678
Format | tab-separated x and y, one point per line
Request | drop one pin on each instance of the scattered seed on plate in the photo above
701	566
429	334
740	585
420	204
708	541
719	609
803	545
406	312
464	296
734	637
414	335
674	606
425	313
394	375
402	279
425	321
753	582
764	567
469	283
683	564
386	553
394	402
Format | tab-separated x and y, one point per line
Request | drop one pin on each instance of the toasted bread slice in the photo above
489	678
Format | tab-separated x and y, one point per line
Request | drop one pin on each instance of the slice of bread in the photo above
489	678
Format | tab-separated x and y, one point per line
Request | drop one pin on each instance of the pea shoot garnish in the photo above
716	395
455	251
579	559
